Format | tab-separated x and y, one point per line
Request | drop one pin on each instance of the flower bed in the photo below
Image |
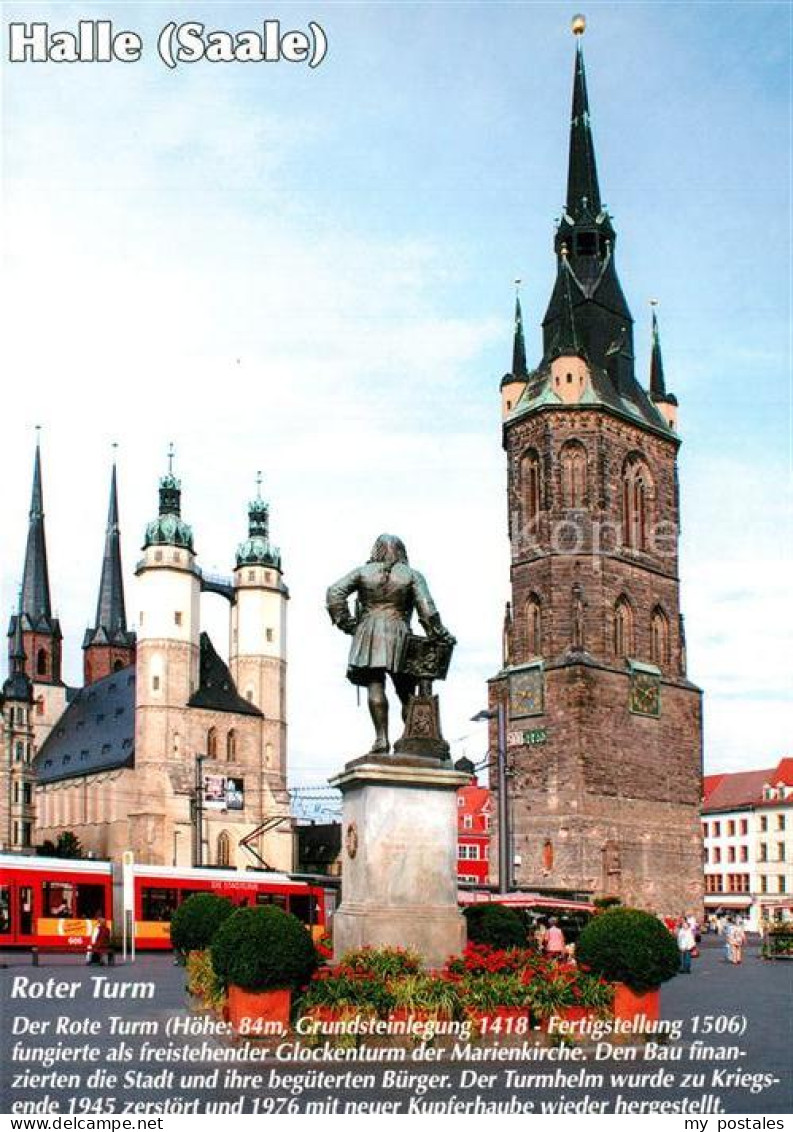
498	991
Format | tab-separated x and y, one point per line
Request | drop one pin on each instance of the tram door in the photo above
25	910
5	914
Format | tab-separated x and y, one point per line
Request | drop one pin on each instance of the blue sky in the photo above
311	272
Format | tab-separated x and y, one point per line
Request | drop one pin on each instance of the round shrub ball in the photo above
626	945
261	949
495	925
197	919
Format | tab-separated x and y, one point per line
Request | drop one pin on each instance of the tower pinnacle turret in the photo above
169	528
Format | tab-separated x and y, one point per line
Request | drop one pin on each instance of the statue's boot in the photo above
380	746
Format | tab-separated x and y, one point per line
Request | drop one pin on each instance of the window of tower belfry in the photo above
231	746
623	628
251	575
635	482
177	618
41	662
574	475
270	635
530	485
659	637
534	626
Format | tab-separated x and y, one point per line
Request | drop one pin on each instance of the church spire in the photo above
583	191
36	608
41	632
519	368
587	289
108	645
657	382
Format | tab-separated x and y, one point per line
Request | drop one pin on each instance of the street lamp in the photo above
500	716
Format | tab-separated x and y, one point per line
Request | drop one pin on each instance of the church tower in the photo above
109	646
168	592
41	632
257	652
17	780
604	729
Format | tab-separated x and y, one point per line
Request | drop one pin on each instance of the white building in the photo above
747	828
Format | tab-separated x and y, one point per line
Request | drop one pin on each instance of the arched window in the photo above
659	636
224	849
534	625
530	486
118	664
41	662
231	745
623	628
635	503
574	475
212	743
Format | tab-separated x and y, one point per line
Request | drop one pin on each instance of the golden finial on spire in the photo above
578	24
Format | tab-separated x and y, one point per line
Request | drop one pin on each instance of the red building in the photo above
474	808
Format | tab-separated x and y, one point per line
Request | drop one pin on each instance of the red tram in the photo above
49	902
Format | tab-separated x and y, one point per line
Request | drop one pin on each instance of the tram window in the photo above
90	901
304	907
158	904
58	899
5	909
276	898
25	898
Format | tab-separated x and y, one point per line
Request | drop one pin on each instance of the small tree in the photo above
626	945
262	949
197	919
495	925
68	846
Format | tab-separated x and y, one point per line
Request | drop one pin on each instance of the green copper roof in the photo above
256	549
169	528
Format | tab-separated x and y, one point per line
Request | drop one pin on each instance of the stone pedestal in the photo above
399	857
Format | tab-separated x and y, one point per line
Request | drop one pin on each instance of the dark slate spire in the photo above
583	191
111	618
35	606
567	340
17	686
519	368
657	382
589	289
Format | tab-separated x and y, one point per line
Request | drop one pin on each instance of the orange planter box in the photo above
628	1004
259	1013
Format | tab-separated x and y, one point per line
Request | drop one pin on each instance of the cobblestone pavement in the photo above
758	991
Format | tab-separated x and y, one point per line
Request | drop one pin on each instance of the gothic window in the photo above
231	745
659	637
212	743
534	625
530	486
623	628
224	849
41	662
574	475
635	503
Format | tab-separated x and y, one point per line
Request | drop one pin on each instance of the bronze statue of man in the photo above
388	591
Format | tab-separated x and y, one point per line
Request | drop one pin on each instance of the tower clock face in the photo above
645	696
526	694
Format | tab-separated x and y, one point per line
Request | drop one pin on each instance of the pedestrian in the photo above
99	943
554	941
686	944
540	936
737	941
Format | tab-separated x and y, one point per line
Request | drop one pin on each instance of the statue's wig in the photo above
388	549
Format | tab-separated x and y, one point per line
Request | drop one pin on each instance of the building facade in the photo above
165	750
474	816
747	833
603	726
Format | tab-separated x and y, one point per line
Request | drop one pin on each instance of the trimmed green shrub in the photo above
626	945
262	949
495	925
197	919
